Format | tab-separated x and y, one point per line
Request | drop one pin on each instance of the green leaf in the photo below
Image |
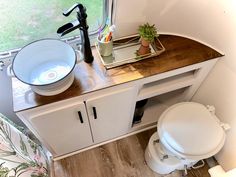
21	167
33	146
34	175
4	171
23	147
148	32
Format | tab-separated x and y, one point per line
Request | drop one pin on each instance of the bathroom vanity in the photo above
100	104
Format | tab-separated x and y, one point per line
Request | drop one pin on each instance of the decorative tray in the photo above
125	49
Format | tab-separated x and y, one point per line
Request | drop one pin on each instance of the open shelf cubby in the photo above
156	105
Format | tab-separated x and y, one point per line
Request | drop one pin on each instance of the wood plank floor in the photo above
122	158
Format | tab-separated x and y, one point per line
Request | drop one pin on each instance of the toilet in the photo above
187	132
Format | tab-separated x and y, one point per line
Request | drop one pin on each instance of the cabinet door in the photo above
64	129
110	115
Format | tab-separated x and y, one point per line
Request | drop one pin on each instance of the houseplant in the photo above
19	155
147	34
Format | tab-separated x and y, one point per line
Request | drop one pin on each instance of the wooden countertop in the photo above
180	52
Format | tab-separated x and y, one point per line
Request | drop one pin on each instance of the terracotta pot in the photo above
144	42
144	48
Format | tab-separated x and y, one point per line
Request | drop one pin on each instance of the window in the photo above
24	21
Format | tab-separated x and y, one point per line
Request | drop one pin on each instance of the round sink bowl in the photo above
46	65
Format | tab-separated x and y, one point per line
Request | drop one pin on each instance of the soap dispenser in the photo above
81	24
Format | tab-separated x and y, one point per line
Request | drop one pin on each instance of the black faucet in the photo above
80	23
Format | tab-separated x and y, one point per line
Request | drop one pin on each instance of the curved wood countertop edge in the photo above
180	52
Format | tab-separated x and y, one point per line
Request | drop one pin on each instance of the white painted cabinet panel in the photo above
111	114
65	129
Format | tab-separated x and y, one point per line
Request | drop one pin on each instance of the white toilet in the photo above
187	132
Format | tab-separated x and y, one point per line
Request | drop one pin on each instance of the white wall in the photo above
129	14
210	21
219	88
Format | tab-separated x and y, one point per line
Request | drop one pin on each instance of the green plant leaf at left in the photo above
4	171
21	167
23	147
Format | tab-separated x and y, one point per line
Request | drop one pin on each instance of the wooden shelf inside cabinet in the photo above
166	85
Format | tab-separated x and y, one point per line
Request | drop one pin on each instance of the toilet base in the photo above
163	164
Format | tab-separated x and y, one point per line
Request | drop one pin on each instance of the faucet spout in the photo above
67	28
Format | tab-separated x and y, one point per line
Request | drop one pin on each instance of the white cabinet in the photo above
111	114
99	116
71	125
65	129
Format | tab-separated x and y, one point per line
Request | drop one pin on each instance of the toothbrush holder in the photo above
105	48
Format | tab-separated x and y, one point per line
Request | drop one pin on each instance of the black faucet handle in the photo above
82	10
68	12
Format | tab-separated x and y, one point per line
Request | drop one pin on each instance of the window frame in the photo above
72	40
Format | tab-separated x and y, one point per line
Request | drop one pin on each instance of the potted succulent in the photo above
147	34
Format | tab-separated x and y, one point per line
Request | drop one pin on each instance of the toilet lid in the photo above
190	129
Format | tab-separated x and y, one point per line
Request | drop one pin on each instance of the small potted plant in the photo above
147	33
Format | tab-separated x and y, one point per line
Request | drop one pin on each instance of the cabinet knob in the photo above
80	117
94	112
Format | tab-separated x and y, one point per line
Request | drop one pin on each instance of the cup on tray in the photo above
105	45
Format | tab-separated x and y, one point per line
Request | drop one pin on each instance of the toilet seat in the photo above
189	130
